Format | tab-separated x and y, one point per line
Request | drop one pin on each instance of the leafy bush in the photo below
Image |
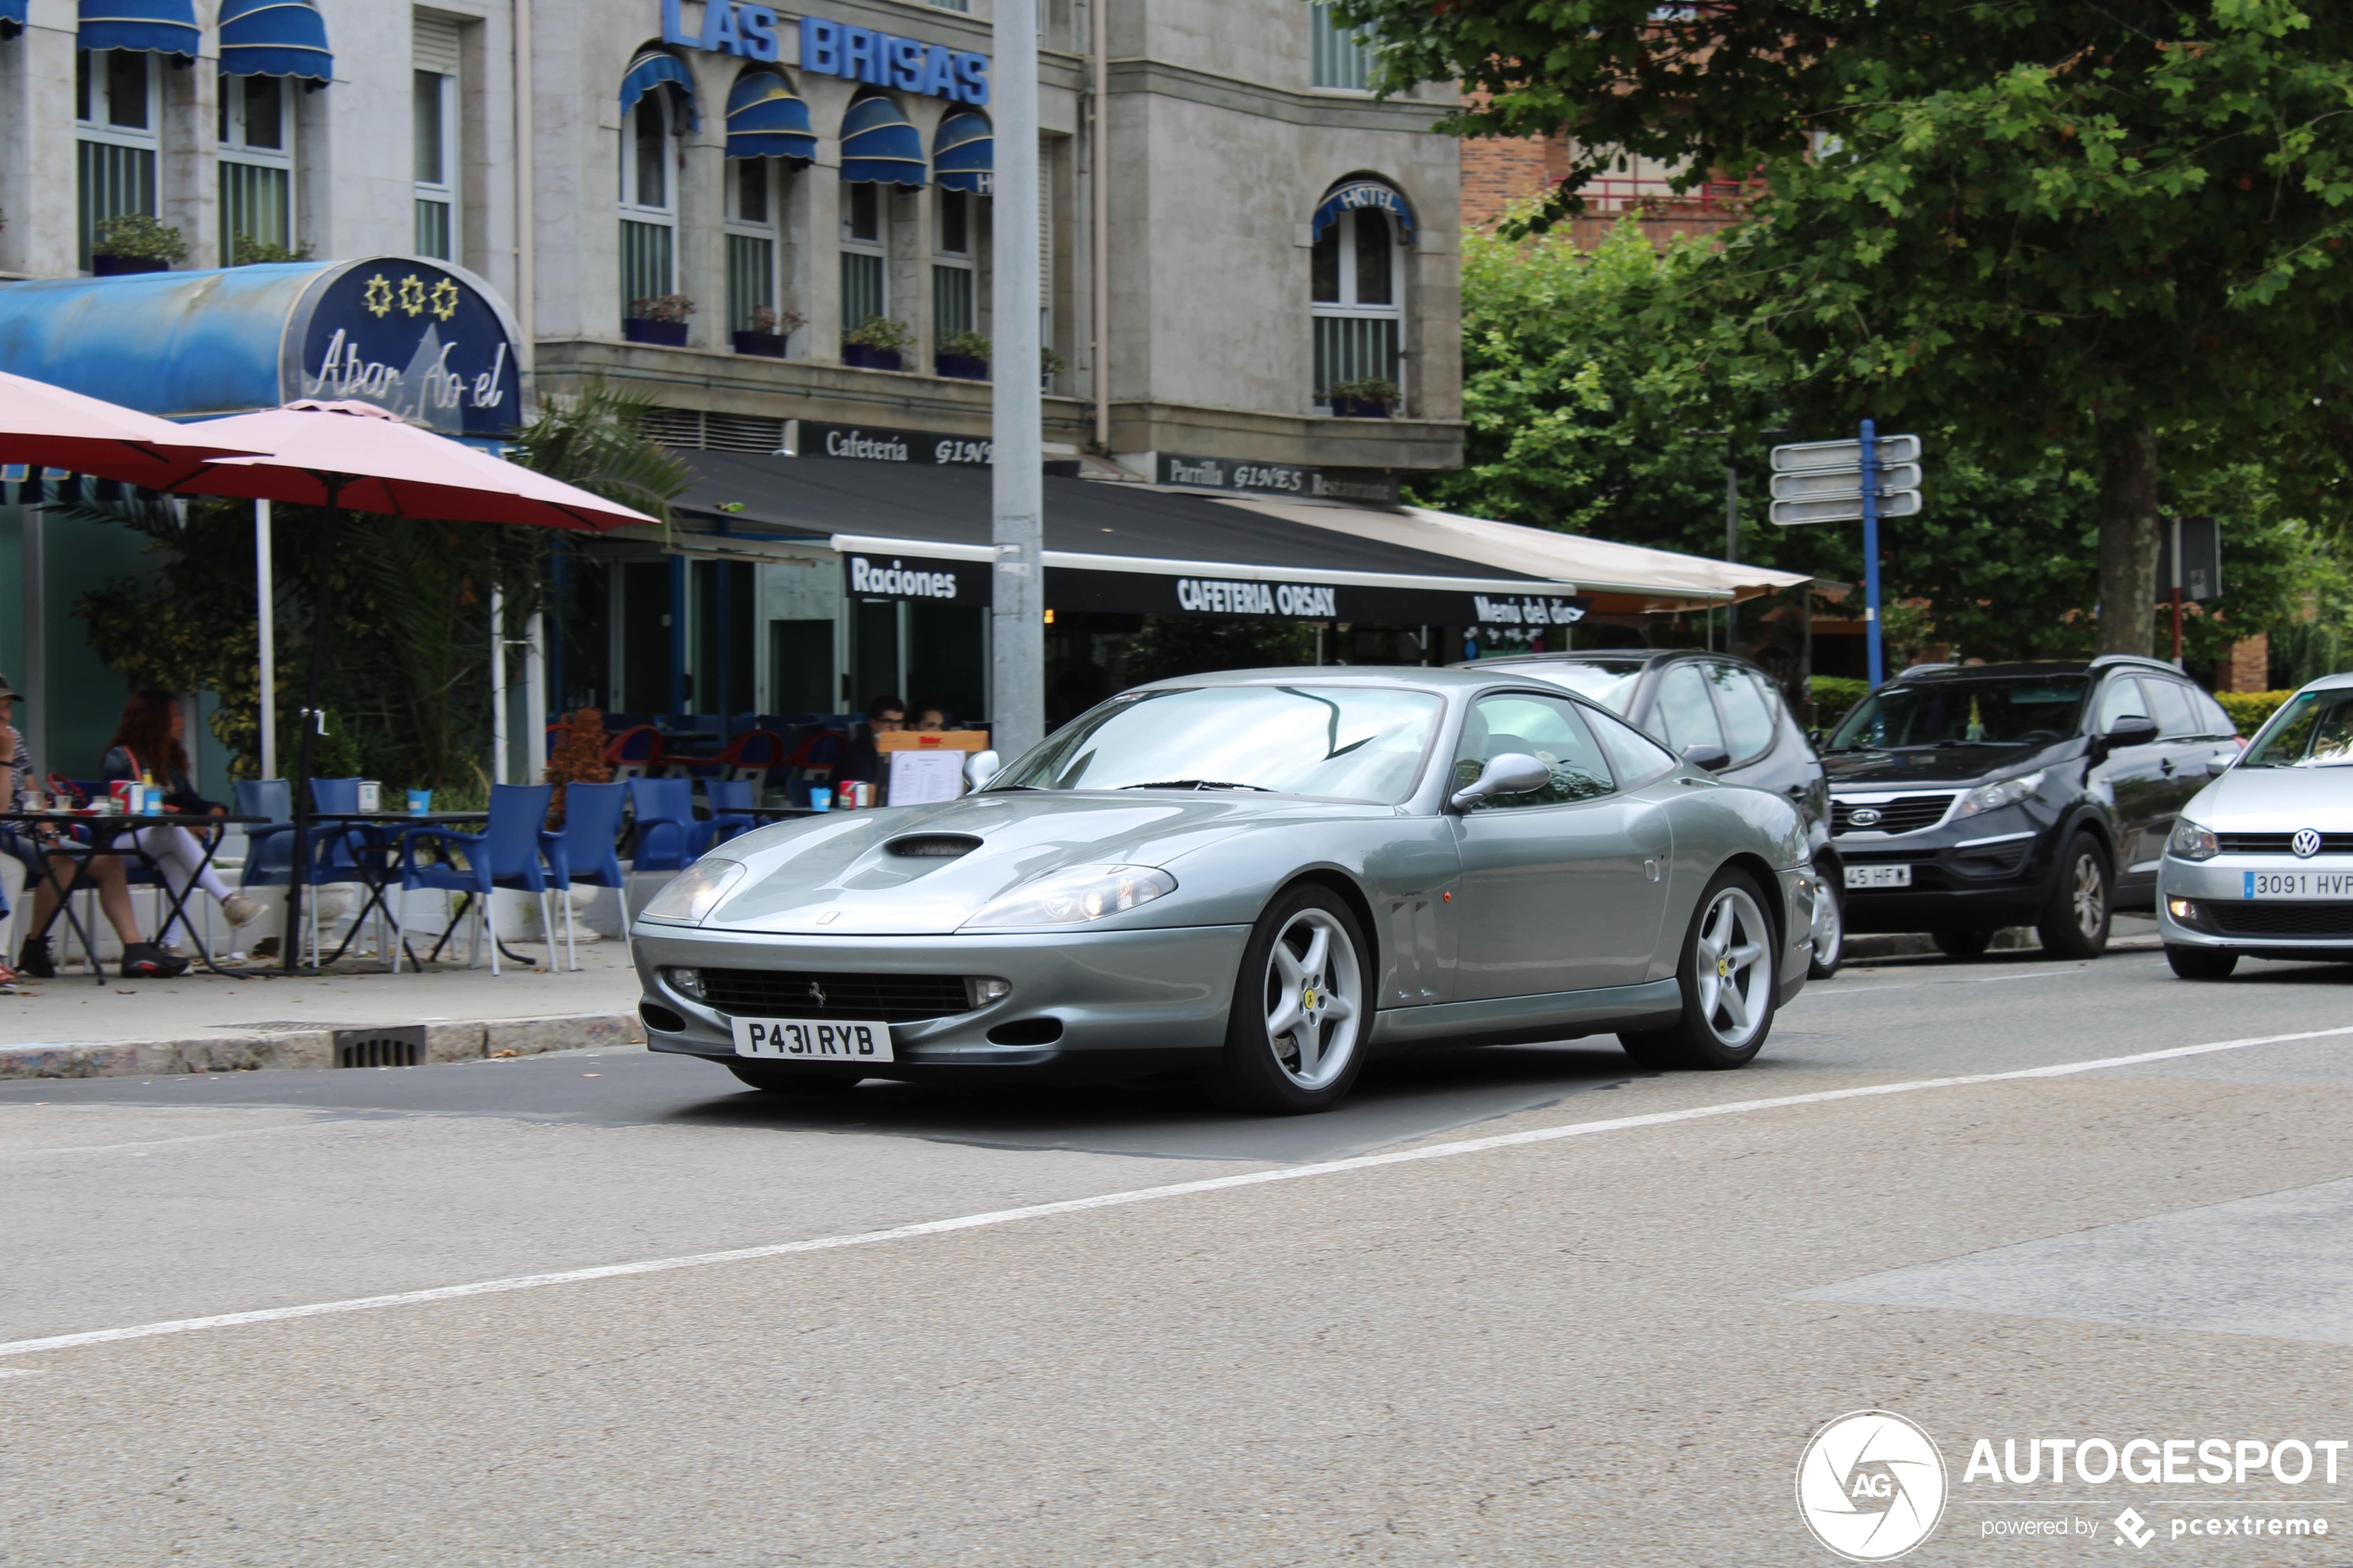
665	308
2249	709
1835	696
880	332
965	344
136	234
2304	650
250	252
766	318
1371	389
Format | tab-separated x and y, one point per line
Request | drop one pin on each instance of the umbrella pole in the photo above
322	590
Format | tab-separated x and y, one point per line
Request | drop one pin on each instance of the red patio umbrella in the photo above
355	454
51	427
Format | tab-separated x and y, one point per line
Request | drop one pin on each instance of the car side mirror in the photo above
1514	773
2134	729
1707	758
981	767
2216	766
1814	738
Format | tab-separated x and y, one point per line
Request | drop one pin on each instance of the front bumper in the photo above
2219	915
1989	869
1128	1003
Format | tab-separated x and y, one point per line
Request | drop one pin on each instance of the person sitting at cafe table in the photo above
931	720
860	762
15	795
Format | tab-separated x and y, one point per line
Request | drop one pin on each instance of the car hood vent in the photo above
933	846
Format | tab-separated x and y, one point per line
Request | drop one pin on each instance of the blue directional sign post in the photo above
1867	478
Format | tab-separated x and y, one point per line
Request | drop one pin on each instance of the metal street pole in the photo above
1870	554
1731	539
1017	676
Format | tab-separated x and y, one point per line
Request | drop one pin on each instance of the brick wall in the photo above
2249	667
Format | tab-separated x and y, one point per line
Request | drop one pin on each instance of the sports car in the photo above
1260	878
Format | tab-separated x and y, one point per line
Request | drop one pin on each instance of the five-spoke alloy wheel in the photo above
1301	1004
1727	979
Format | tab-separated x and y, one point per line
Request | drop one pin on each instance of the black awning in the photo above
921	531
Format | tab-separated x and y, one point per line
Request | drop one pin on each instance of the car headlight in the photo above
2191	842
695	892
1993	797
685	982
1077	896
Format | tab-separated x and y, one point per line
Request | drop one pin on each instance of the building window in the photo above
116	115
952	291
864	257
1343	57
1358	295
436	140
752	205
256	170
649	224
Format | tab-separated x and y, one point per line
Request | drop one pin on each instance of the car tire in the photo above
1303	1008
1956	943
777	1079
1830	928
2200	963
2075	923
1723	1026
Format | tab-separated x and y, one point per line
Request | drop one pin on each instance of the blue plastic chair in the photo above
667	830
730	802
268	850
587	851
505	854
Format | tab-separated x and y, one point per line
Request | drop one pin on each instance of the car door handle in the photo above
2166	767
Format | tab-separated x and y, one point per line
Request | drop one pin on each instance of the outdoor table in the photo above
377	872
108	837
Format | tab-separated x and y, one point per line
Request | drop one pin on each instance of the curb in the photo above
2015	939
314	1047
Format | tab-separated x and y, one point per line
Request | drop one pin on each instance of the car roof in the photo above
2337	682
1923	674
1425	676
1594	656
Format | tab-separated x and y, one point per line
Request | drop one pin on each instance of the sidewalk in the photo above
70	1027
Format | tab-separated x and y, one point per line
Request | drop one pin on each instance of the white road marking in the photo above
1121	1200
191	1137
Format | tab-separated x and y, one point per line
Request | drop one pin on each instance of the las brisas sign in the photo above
834	48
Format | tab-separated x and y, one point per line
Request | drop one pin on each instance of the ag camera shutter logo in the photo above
1871	1485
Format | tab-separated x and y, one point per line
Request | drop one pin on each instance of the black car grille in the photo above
785	993
2234	919
1905	813
2279	843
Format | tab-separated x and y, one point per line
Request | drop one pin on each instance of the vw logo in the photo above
1866	816
816	994
1871	1485
2307	843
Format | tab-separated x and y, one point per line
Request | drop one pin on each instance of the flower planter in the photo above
767	345
670	334
961	367
1359	409
867	359
123	266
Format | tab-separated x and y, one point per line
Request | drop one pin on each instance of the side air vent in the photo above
933	846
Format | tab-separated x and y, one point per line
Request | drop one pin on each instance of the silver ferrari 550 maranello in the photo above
1263	878
2260	862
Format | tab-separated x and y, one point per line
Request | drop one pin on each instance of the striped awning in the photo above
12	15
963	153
167	27
648	71
766	119
878	145
274	38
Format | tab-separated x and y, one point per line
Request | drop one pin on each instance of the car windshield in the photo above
2001	710
1353	743
2314	730
1612	685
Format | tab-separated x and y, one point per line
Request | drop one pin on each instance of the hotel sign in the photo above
409	336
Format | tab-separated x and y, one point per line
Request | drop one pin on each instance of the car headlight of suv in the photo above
1075	895
2008	792
695	892
2191	842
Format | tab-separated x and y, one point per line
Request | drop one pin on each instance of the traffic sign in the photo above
1845	508
1845	454
1813	484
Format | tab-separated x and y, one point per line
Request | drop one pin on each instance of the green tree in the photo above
2118	229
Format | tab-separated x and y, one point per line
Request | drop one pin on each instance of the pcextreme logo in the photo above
1871	1485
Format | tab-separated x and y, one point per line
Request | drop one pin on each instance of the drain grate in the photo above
399	1047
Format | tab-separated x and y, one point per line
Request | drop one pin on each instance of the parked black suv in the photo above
1723	714
1967	797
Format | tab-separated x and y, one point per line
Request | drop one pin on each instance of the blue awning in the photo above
648	71
167	27
1360	194
963	153
766	120
274	38
12	16
878	145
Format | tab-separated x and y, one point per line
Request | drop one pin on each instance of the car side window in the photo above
1748	717
2215	719
1548	728
2175	718
1684	716
1635	757
2121	698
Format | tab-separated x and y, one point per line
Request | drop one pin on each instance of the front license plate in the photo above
798	1039
1878	876
2294	886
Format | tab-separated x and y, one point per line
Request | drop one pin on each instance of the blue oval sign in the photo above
418	338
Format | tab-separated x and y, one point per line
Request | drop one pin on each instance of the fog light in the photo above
2182	910
983	992
686	983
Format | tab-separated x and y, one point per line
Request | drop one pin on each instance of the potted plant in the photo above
1370	398
247	251
770	332
874	343
132	241
660	319
963	356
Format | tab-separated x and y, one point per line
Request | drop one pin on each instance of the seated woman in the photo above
148	744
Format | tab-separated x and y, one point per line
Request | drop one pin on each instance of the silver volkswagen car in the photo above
2260	862
1260	878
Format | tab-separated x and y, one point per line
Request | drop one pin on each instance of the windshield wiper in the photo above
1197	783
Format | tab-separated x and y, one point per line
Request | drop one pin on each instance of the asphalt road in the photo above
1581	1346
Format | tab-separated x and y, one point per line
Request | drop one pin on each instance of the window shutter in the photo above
1045	230
435	46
